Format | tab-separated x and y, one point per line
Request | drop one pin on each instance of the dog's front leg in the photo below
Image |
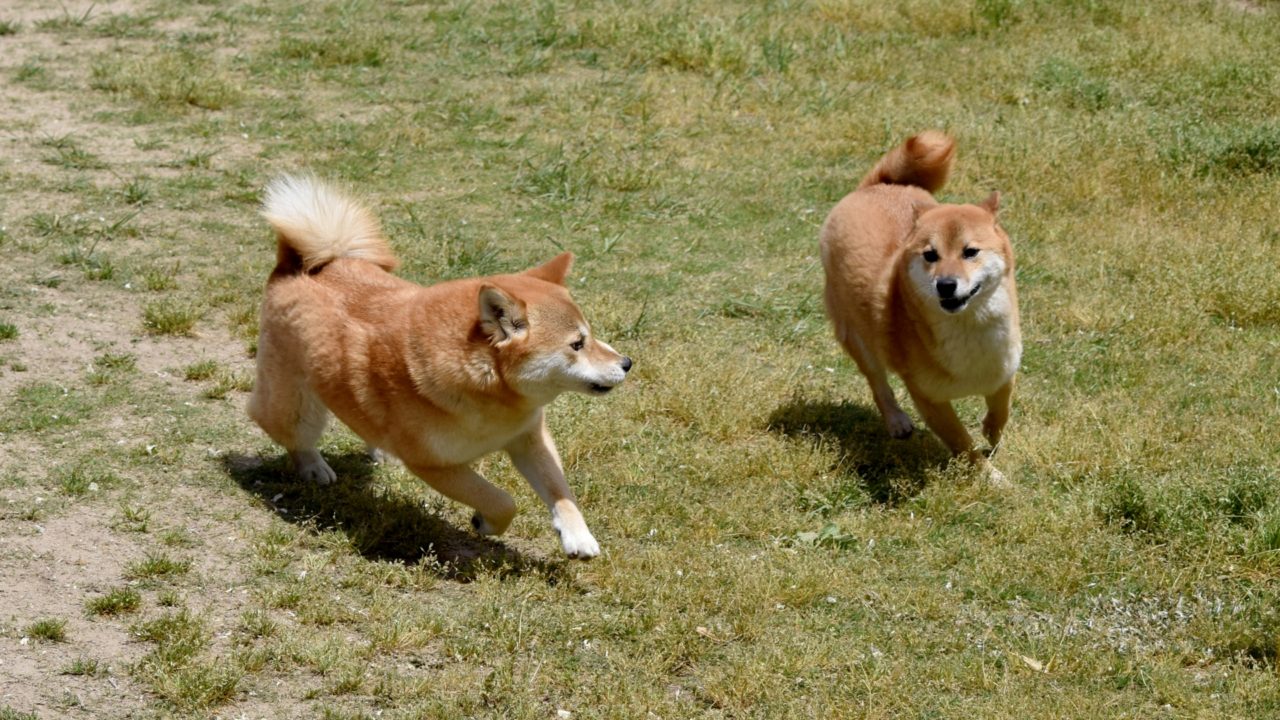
535	456
999	405
494	507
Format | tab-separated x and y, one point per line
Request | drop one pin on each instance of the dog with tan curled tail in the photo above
925	290
437	376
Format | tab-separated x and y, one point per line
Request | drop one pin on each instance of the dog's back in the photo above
865	229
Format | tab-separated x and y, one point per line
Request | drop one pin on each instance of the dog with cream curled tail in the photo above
437	376
925	290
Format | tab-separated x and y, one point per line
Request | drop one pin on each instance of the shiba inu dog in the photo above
437	376
925	290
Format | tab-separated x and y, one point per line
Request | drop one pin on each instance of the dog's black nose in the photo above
626	363
946	287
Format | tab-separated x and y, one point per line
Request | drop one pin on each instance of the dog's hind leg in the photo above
897	422
312	418
292	415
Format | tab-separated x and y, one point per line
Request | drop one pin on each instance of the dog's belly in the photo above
450	447
450	443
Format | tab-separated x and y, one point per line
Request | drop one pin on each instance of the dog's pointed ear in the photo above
554	270
992	203
918	209
502	317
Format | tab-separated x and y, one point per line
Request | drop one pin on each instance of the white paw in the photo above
995	478
579	544
899	425
312	468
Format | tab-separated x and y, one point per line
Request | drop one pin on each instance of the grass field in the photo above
768	551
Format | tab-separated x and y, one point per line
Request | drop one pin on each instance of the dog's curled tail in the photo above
317	224
924	160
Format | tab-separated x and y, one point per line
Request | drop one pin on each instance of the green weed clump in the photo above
87	667
170	317
116	602
203	370
157	565
47	629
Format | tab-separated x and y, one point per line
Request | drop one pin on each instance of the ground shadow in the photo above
381	525
887	470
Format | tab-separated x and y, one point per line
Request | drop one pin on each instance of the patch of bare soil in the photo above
61	330
49	570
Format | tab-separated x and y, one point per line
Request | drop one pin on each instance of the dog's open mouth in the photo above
600	389
953	304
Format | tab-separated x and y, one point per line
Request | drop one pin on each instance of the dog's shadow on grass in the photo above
888	471
380	525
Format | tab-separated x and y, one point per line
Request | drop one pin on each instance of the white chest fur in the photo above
980	349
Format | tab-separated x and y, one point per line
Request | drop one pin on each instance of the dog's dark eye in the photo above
970	253
930	255
577	344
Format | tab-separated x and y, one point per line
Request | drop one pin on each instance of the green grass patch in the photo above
1229	150
118	601
41	406
769	552
348	49
160	279
84	478
33	74
172	78
133	518
157	565
47	630
174	667
85	667
170	317
112	367
203	370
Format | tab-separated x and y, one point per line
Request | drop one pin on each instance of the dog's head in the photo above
545	346
957	255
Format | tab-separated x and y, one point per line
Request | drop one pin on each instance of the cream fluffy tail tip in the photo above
322	224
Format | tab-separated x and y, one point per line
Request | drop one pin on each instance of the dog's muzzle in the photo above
600	388
953	303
